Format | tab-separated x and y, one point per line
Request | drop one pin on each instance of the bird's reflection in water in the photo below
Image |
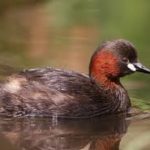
103	133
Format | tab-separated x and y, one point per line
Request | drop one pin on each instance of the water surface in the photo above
104	133
64	34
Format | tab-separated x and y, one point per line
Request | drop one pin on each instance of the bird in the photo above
51	92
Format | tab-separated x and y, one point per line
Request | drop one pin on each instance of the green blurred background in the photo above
64	34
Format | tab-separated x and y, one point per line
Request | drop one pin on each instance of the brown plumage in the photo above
67	94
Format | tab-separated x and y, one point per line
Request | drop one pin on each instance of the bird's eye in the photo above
125	59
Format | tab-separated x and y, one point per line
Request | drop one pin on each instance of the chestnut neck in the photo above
104	69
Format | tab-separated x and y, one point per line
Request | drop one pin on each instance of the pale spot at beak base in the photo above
131	67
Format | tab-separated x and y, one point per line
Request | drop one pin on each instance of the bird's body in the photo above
54	92
49	92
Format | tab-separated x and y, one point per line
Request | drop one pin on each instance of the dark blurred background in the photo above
64	34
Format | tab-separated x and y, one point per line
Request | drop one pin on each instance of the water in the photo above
105	133
64	34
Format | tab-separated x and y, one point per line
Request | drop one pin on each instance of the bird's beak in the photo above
138	67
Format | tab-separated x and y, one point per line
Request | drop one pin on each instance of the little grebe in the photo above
67	94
